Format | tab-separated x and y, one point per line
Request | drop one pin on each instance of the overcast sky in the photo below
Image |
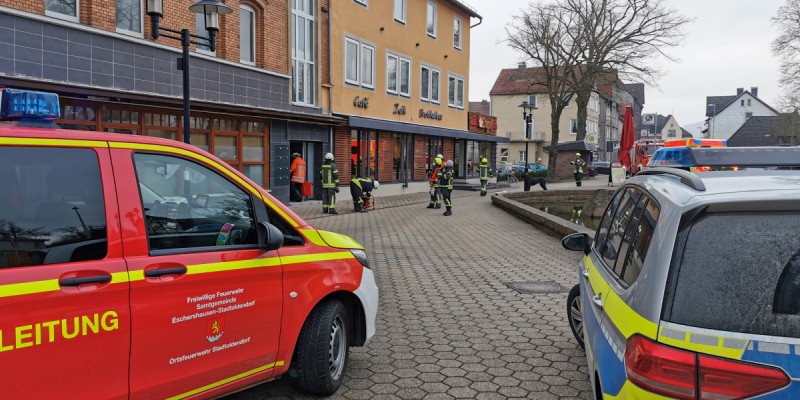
727	46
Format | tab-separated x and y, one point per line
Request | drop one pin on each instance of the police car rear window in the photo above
739	272
51	206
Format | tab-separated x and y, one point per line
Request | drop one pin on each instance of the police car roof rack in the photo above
687	178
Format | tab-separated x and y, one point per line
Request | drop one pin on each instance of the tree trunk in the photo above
582	100
555	118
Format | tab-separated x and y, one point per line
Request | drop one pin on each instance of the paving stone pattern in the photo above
448	327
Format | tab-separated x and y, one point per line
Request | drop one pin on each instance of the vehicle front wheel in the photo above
322	350
575	313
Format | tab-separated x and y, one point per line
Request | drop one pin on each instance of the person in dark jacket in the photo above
445	180
483	174
330	184
578	168
361	190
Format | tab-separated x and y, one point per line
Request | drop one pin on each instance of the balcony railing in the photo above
538	137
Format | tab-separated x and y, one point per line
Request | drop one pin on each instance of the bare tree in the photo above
629	37
543	34
787	48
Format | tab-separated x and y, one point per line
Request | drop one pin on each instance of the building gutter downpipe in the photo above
480	21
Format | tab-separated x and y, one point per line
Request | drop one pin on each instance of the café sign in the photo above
430	115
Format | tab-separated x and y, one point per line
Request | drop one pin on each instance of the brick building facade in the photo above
99	56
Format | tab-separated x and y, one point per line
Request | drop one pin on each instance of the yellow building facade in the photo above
400	77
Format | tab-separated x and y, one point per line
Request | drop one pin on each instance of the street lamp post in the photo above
527	118
713	121
211	9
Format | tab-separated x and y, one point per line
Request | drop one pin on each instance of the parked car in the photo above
532	167
156	270
602	167
689	288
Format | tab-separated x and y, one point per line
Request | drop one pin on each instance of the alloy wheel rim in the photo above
337	348
575	315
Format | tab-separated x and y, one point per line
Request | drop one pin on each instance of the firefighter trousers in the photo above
328	199
484	186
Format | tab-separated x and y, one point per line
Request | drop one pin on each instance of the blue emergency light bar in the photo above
18	104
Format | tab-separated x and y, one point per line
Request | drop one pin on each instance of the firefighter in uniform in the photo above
445	180
435	190
483	174
298	176
361	190
330	184
578	166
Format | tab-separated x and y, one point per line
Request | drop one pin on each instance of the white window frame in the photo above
66	17
534	102
522	157
361	65
362	2
398	70
204	32
124	31
254	35
456	93
438	98
310	62
504	155
457	44
357	81
403	10
422	69
573	123
435	18
397	75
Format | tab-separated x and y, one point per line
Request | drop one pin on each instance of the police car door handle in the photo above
585	273
155	273
77	281
598	301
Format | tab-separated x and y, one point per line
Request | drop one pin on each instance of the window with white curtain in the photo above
351	61
398	75
303	52
247	35
359	63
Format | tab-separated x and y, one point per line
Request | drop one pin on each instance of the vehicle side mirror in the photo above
577	242
269	237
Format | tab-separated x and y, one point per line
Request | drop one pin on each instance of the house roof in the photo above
768	131
636	90
720	103
480	107
463	6
686	134
661	121
519	81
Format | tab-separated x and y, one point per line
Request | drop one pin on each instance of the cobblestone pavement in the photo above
448	326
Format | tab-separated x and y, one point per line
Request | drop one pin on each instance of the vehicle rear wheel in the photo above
575	313
322	349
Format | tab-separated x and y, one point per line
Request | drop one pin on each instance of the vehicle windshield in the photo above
651	149
738	272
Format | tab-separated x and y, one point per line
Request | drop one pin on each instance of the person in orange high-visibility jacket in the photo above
435	190
298	176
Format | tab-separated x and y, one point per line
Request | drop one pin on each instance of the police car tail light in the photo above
682	374
729	379
26	104
661	369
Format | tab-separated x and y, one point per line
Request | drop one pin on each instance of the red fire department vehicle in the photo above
135	267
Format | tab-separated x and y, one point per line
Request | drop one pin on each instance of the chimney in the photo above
521	71
754	91
739	91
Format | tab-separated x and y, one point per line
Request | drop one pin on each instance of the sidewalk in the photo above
312	209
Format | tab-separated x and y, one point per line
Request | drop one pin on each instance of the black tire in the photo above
322	350
575	314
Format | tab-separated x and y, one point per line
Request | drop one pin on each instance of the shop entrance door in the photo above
402	162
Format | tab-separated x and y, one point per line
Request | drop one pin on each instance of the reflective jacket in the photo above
434	182
330	175
444	178
364	185
578	165
298	170
483	171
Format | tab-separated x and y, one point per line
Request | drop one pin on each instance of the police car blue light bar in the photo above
18	104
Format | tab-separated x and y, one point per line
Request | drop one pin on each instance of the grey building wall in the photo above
44	51
283	132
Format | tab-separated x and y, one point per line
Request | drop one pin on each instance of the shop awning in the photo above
401	127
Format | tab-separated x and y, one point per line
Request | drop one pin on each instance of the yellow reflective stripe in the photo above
624	318
340	241
313	236
229	380
51	142
51	285
217	166
18	289
713	349
631	391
